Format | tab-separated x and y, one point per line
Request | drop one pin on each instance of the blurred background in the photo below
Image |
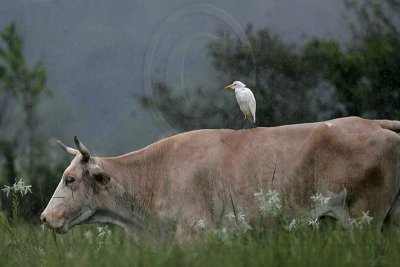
123	74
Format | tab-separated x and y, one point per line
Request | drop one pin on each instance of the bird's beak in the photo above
229	86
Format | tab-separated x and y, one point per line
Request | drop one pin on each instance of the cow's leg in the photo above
394	218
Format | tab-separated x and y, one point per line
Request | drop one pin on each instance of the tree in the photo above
366	74
285	87
373	18
25	83
322	80
343	69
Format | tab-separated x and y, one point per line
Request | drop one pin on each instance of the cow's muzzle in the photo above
49	221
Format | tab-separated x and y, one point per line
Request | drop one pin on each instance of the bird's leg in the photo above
241	127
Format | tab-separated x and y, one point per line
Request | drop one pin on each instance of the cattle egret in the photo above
246	100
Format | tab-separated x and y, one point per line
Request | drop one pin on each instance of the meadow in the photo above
95	245
273	242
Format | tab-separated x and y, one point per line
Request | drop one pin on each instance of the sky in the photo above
101	55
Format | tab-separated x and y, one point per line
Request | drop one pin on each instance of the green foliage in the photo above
270	244
374	17
7	151
343	70
15	74
18	78
366	77
304	248
26	154
321	80
188	111
286	88
382	57
366	73
5	223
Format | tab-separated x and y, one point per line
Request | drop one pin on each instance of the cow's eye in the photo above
69	180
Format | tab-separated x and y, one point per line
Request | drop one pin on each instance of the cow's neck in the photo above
138	172
134	180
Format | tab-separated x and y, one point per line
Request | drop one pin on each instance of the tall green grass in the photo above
273	243
332	247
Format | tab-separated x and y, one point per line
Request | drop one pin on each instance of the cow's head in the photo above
79	193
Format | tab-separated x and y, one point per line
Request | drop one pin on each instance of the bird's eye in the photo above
69	180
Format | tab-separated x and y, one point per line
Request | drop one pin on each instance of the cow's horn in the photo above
84	151
68	149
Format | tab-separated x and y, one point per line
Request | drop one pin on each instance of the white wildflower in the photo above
102	234
225	236
292	225
359	224
273	195
88	235
18	187
240	221
269	203
356	224
314	223
316	197
200	224
259	194
241	217
319	199
7	189
231	216
100	231
244	226
103	231
22	188
366	219
100	245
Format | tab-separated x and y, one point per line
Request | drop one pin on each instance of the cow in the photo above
204	174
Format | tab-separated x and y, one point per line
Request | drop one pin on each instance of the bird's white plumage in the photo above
245	99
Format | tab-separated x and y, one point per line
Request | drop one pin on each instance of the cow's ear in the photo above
100	176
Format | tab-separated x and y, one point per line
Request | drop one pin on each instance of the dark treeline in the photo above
322	79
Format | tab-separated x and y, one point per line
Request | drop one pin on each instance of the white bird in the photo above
246	100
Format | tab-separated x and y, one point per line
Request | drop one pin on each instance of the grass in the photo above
273	243
333	247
